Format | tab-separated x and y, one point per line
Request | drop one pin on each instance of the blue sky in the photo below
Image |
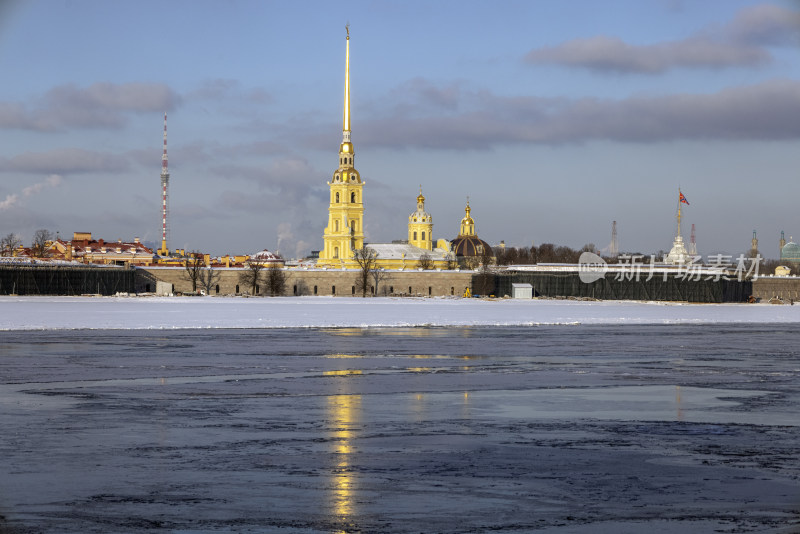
555	118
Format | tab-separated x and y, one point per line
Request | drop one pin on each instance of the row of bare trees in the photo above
206	277
544	253
42	238
274	279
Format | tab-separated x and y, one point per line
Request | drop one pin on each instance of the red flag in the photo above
683	198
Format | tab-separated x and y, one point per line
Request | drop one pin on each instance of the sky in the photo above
554	118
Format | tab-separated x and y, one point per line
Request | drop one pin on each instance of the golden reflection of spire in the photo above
466	413
678	403
344	412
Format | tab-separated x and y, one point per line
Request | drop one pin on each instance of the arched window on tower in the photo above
353	197
336	225
336	251
423	235
415	236
337	198
353	225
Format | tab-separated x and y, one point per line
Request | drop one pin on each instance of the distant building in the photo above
266	258
790	253
83	248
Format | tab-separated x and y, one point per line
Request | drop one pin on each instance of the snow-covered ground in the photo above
56	313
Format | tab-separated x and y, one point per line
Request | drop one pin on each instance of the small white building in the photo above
521	291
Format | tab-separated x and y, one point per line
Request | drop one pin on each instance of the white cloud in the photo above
9	202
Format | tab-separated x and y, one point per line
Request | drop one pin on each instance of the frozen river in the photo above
572	429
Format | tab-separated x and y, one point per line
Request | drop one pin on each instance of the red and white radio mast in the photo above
164	251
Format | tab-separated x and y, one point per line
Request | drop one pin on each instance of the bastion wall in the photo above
313	282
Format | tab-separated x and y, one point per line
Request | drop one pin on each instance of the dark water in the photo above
572	429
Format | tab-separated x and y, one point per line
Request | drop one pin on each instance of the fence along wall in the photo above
66	280
673	288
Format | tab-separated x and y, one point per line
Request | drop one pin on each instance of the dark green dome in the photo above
791	252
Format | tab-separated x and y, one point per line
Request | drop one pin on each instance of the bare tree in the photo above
484	284
209	278
252	275
9	244
452	263
194	266
367	260
378	276
41	241
425	261
470	262
276	281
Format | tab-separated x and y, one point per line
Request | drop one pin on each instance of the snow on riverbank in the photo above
59	313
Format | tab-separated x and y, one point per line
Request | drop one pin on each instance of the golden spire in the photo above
346	119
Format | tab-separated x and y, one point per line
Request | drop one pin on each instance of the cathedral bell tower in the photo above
345	230
420	226
467	224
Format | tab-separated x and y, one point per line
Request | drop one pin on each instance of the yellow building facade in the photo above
420	226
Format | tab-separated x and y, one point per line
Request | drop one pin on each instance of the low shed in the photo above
521	291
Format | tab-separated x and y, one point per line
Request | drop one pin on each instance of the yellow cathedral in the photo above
344	232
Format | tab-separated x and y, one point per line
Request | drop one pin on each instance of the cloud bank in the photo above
101	105
743	42
765	111
64	161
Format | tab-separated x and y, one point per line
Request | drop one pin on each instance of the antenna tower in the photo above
164	251
613	250
692	243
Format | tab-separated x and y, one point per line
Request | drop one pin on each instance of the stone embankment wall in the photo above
787	289
314	282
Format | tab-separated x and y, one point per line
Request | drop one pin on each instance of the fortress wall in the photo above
302	282
784	288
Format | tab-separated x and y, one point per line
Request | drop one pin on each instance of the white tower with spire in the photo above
164	251
678	255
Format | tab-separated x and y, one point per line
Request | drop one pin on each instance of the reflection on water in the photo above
405	332
344	413
342	372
